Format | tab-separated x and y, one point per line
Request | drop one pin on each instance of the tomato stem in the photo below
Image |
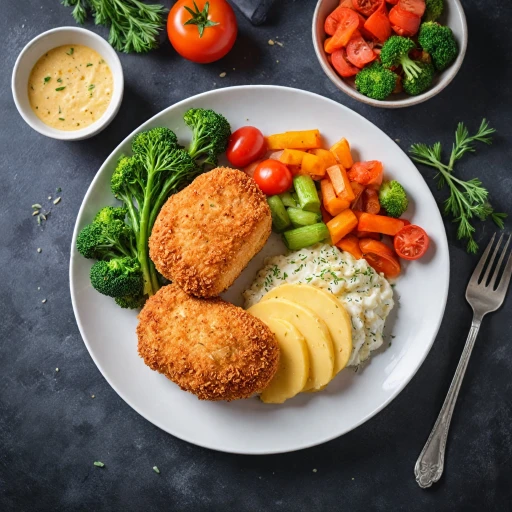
200	18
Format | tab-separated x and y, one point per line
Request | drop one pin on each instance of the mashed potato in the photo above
366	295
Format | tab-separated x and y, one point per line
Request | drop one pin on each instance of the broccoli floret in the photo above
392	198
210	135
110	213
375	81
395	52
433	10
417	84
118	277
131	301
439	41
104	240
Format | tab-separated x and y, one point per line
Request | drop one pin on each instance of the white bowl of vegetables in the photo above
390	53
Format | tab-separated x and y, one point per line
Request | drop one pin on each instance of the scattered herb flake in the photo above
61	119
91	87
36	205
59	80
47	79
89	64
58	190
56	200
71	51
60	88
156	470
99	464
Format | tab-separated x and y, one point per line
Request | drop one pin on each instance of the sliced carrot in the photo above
341	183
348	23
358	190
379	224
313	165
341	225
378	25
367	234
350	243
334	205
371	202
328	47
292	156
327	157
341	150
326	216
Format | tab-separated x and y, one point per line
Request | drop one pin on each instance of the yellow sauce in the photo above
70	87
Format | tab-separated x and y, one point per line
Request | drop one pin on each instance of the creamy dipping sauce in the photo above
70	87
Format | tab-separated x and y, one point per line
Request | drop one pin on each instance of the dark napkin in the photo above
255	10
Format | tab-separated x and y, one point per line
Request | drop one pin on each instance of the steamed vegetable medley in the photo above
389	51
319	194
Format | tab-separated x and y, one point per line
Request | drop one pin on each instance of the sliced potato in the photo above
293	370
314	330
329	309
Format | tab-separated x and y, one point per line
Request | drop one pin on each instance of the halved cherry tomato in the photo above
362	20
371	202
380	257
392	2
378	25
366	173
347	24
359	52
273	177
411	242
367	7
416	7
403	22
333	20
246	145
342	66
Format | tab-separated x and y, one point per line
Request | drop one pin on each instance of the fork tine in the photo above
498	265
505	278
481	263
493	257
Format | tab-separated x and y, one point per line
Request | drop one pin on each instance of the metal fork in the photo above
485	295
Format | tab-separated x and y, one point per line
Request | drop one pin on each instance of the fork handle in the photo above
430	464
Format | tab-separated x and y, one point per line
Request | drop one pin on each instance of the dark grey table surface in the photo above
51	430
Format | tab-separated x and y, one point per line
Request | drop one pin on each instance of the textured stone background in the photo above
51	430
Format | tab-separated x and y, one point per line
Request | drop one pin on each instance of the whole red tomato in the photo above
273	177
246	145
202	31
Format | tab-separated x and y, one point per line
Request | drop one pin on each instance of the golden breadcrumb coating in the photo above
209	347
205	235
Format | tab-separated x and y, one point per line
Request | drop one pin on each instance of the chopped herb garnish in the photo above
71	51
99	464
59	80
59	189
91	87
156	470
60	88
61	119
101	61
36	205
47	79
60	111
88	64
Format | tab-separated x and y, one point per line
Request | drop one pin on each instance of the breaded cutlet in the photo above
205	235
209	347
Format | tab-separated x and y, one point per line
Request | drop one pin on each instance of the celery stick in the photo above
305	236
306	191
295	198
288	200
280	219
301	218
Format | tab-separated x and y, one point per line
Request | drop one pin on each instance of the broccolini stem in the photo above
142	239
154	277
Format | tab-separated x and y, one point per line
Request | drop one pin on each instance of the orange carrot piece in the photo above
340	182
366	234
327	157
313	165
304	139
379	224
371	202
326	216
292	156
358	190
341	225
341	151
350	243
334	205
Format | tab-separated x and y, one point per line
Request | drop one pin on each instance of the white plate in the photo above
249	426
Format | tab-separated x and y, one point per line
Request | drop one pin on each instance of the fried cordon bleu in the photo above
205	235
209	347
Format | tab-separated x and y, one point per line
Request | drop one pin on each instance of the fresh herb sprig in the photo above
468	199
134	25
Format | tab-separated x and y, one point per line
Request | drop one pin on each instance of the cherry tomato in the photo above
246	145
347	25
212	34
378	25
366	173
411	242
359	52
416	7
403	22
273	177
341	64
367	7
380	257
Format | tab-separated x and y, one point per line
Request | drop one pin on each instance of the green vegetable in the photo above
306	192
376	81
280	218
468	199
434	9
288	199
393	198
415	85
118	277
305	236
301	218
438	40
159	167
211	132
99	464
134	24
395	52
